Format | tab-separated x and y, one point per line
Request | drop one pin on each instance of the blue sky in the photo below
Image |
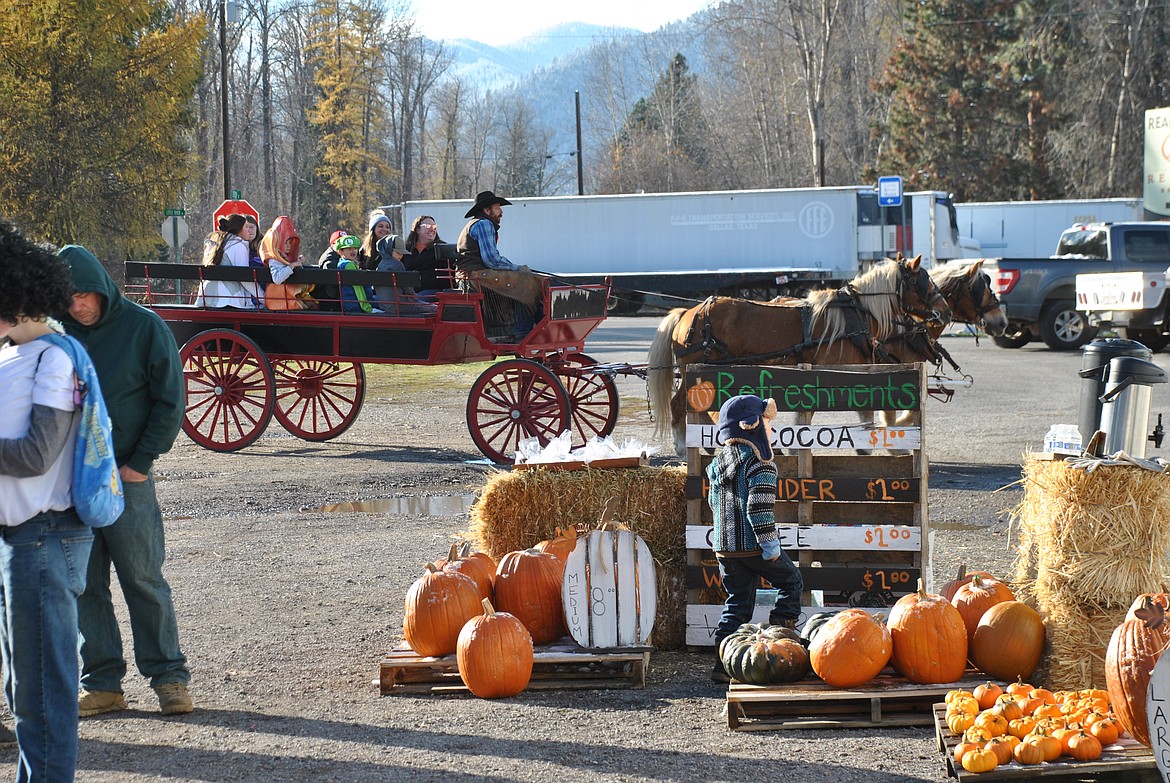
507	21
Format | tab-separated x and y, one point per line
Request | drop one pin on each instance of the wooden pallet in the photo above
1126	760
557	666
886	701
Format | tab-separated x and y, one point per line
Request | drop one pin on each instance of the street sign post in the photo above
174	231
889	191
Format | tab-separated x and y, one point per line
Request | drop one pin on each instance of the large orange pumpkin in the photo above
1133	650
1008	641
479	566
528	586
494	654
964	576
437	606
930	641
976	597
850	649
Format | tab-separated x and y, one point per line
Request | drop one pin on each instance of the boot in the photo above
718	673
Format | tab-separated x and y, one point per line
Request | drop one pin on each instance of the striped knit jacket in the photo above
742	498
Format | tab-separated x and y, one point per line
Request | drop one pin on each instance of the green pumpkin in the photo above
764	656
814	625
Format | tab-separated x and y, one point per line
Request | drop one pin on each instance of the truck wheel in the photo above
1017	340
1151	338
1063	327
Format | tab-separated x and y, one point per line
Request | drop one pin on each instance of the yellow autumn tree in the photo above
350	113
94	104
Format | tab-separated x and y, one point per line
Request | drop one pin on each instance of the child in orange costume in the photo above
280	251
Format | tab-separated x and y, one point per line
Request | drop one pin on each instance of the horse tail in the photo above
660	373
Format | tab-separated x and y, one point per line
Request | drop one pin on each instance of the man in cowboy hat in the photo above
481	263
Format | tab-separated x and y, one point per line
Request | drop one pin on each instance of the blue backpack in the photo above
97	487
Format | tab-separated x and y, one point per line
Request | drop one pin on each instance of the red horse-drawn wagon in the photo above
244	366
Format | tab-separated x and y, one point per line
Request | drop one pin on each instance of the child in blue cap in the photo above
742	495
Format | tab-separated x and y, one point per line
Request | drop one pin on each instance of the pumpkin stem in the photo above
921	588
465	550
962	572
431	568
977	580
454	553
488	609
607	513
1151	613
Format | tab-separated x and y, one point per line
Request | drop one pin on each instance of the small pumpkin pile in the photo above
1025	725
489	615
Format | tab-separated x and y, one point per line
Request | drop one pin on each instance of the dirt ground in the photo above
285	613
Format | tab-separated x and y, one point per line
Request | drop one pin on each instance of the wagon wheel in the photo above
229	390
513	400
593	398
318	399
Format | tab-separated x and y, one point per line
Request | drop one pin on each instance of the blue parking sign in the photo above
889	191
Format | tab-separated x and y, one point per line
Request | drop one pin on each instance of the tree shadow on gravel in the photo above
972	476
592	758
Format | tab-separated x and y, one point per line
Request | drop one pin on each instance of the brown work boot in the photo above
90	703
173	698
719	674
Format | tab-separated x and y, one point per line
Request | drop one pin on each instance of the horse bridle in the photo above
976	292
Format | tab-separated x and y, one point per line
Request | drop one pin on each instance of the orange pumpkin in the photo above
981	760
991	723
479	566
701	396
528	586
987	694
1019	688
976	597
1020	727
850	649
1133	650
560	545
1105	730
1008	641
959	722
1160	599
1002	747
1083	746
950	588
1007	707
437	606
1028	753
494	654
930	642
1050	746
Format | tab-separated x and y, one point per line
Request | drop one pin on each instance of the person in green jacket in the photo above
141	376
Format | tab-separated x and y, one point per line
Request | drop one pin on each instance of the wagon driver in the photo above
512	294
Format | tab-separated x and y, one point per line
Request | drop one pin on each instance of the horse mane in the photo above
948	274
878	294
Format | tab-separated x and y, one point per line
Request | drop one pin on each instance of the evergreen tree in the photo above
95	100
957	112
662	145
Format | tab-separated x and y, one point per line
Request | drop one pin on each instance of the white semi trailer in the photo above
1025	229
757	243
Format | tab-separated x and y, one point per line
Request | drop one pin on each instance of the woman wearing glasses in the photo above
420	257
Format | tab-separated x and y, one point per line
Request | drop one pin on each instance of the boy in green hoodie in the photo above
141	376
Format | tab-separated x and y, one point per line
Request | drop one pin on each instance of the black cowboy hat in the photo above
485	200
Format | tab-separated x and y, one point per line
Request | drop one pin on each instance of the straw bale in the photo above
517	509
1088	544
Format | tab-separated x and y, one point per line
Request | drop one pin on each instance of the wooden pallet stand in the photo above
888	700
558	666
1126	761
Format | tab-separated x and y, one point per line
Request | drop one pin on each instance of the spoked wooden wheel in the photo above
318	399
593	399
229	390
514	400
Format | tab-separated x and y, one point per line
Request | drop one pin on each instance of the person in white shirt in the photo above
44	545
229	248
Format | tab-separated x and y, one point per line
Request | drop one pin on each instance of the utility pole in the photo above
223	94
580	165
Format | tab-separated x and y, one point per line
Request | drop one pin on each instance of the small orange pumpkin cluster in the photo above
489	615
1028	725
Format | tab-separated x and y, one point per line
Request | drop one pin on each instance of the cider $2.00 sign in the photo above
609	590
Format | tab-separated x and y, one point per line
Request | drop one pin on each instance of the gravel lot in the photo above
285	613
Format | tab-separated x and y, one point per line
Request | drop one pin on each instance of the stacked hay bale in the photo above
1089	543
518	509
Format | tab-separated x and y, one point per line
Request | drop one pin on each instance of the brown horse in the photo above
850	325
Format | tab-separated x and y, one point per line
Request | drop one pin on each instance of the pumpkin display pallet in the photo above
888	700
555	666
1125	761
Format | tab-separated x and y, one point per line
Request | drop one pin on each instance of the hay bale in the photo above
1088	544
518	509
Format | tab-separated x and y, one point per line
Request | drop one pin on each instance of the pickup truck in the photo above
1040	294
1133	301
